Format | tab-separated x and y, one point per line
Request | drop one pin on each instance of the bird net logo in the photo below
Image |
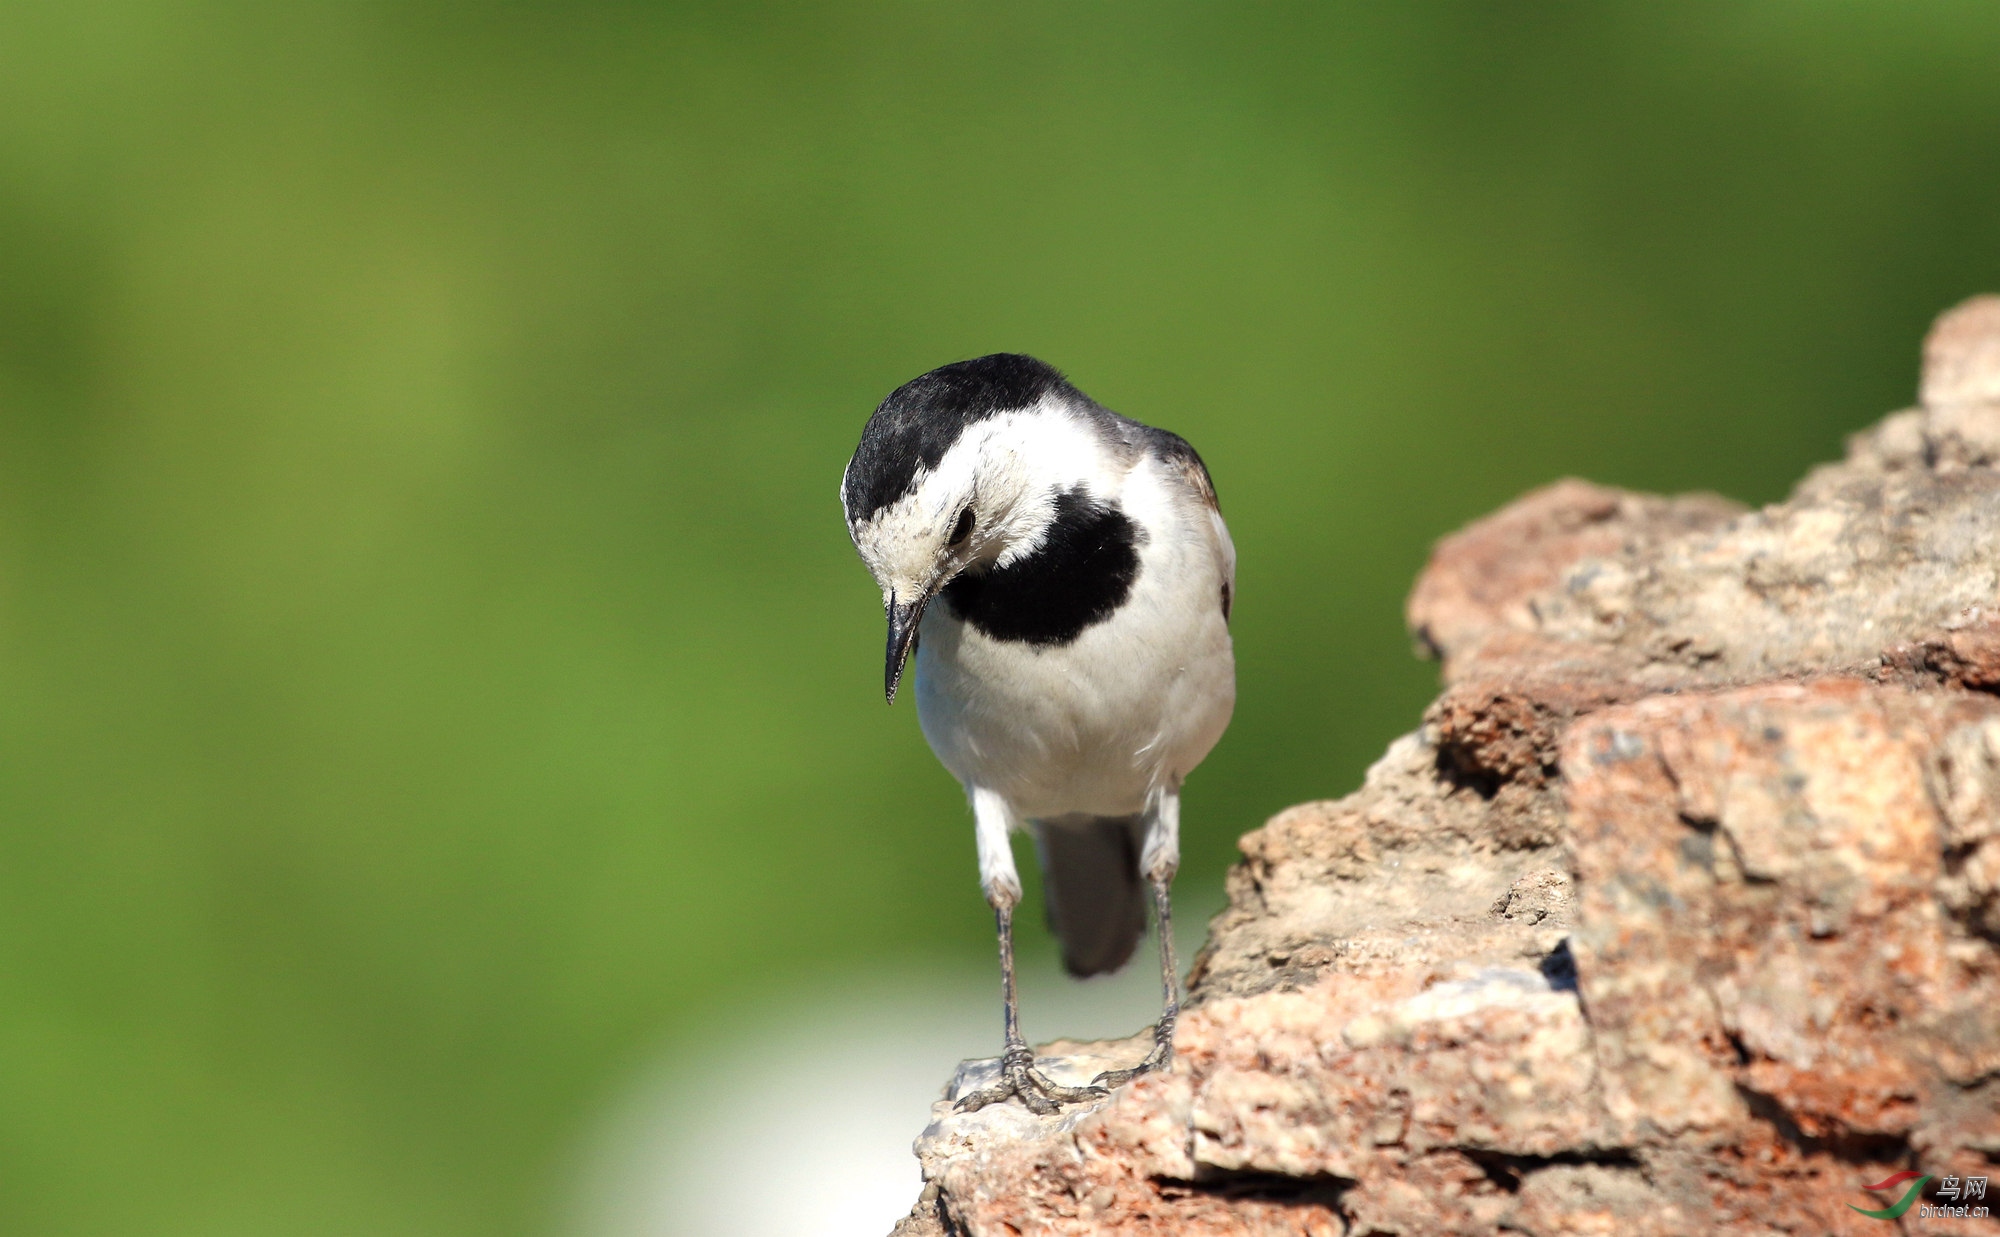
1956	1198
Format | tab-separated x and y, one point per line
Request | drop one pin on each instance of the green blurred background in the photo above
433	673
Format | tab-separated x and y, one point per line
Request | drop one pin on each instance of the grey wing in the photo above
1184	462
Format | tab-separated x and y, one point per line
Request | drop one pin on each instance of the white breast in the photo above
1129	707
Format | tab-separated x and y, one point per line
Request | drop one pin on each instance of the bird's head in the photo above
959	470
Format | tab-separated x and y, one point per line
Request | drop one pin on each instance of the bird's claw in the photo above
1159	1058
1019	1077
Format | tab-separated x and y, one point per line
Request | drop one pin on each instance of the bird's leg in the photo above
1162	1054
1018	1075
1161	858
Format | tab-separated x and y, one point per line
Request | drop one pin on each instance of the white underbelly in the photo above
1095	726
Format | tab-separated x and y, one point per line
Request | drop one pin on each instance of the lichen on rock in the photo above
1680	913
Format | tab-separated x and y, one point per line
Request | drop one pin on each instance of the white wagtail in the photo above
1065	578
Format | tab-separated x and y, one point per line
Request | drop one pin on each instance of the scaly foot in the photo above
1159	1058
1019	1077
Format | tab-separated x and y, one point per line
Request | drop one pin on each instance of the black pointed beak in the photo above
903	620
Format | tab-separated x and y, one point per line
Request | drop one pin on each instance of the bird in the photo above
1062	579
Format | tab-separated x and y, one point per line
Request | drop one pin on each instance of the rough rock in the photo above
1680	913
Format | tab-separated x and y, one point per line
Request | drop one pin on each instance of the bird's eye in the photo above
963	529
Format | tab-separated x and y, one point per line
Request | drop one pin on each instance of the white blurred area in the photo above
799	1123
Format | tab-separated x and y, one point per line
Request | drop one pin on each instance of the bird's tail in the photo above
1090	880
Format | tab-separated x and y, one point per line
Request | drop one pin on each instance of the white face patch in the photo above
1008	469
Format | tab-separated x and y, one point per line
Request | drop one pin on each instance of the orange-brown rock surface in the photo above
1680	914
